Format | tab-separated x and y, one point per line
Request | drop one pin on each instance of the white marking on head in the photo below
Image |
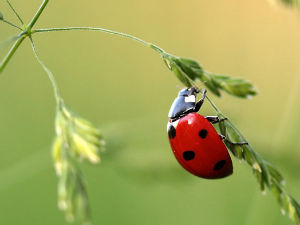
190	98
174	124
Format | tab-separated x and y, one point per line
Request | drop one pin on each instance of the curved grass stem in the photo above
47	70
93	29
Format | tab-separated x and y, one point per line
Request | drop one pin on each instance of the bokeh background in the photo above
126	90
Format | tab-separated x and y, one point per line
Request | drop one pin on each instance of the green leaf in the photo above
260	180
296	205
274	173
188	71
194	71
266	174
234	86
179	73
189	67
1	16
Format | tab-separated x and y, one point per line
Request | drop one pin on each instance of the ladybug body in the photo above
195	143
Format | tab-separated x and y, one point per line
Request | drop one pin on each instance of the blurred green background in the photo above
126	90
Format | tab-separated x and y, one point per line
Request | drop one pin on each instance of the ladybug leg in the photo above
200	102
214	119
232	143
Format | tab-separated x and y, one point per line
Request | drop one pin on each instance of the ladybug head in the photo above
188	92
184	103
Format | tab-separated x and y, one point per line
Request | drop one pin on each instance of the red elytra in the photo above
198	147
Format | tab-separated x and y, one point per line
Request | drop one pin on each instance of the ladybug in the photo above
195	143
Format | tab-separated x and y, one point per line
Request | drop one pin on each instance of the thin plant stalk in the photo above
37	15
93	29
11	24
27	33
11	53
15	12
47	70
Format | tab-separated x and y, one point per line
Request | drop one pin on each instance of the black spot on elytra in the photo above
203	133
171	131
219	165
188	155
